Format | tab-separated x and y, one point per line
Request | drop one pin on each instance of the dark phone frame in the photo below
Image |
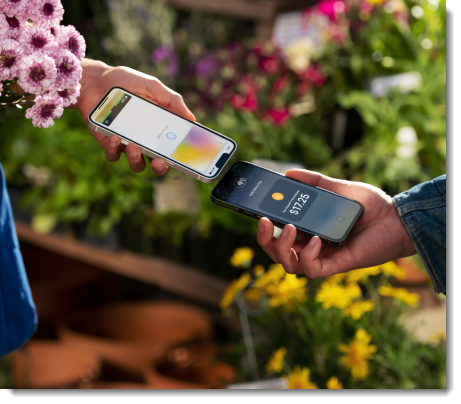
176	163
277	222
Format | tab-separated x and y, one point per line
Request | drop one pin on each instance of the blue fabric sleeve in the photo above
18	317
423	213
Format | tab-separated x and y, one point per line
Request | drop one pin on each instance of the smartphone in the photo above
186	146
257	192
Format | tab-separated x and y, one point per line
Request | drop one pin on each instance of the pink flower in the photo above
10	58
70	39
44	12
280	84
46	108
16	24
3	25
35	39
69	69
332	8
303	88
69	96
269	64
249	103
314	76
38	72
13	7
279	116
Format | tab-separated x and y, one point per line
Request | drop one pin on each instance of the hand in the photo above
378	236
98	78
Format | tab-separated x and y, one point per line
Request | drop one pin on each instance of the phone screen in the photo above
277	197
162	132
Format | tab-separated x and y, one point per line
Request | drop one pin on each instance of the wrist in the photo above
407	246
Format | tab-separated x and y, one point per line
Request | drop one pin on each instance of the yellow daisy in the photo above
392	269
412	299
258	270
275	363
358	309
242	257
273	275
333	295
334	384
253	294
337	278
361	274
234	287
288	292
299	379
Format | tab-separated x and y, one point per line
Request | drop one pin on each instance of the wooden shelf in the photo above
170	276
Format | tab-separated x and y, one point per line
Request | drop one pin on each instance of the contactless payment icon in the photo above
171	136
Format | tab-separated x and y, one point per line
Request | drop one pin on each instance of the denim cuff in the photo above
422	210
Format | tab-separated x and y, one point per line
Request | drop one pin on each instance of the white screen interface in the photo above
162	132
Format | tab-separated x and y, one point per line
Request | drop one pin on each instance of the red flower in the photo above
279	116
269	64
280	84
303	88
249	103
314	76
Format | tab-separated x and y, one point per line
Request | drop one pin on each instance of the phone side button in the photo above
125	142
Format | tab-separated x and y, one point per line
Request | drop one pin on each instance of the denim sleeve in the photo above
18	317
423	213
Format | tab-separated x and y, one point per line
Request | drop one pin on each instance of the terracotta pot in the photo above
51	365
131	335
414	275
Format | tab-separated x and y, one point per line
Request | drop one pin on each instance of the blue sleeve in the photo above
18	318
423	213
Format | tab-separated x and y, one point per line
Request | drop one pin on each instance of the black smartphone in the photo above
257	192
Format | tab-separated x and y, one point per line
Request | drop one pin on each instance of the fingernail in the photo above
113	143
158	169
132	152
285	231
313	240
261	227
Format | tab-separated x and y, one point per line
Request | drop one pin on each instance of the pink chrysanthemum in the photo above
16	25
46	108
3	25
69	69
13	7
70	39
10	58
38	72
69	95
35	39
44	12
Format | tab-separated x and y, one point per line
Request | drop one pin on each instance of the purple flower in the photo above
35	39
168	55
38	72
44	12
69	95
16	24
10	58
46	108
13	7
206	66
70	39
69	69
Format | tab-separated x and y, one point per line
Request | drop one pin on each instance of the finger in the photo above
159	166
265	238
318	180
309	258
283	247
112	148
135	158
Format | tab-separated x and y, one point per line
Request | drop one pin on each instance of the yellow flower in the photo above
253	294
353	290
234	287
375	2
334	384
242	257
412	299
334	295
276	361
299	379
358	309
361	274
272	276
337	278
438	337
357	354
289	291
258	270
392	269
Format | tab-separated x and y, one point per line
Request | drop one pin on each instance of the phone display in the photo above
261	192
162	132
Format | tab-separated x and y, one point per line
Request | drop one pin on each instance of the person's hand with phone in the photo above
98	78
378	236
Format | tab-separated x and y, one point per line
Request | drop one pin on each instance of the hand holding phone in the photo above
378	237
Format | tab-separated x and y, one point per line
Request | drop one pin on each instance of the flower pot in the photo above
51	365
131	335
414	275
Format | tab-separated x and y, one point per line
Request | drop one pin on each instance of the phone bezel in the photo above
278	221
175	162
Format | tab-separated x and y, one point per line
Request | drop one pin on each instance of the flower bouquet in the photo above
40	60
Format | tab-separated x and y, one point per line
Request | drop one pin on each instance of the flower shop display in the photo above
38	57
339	332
